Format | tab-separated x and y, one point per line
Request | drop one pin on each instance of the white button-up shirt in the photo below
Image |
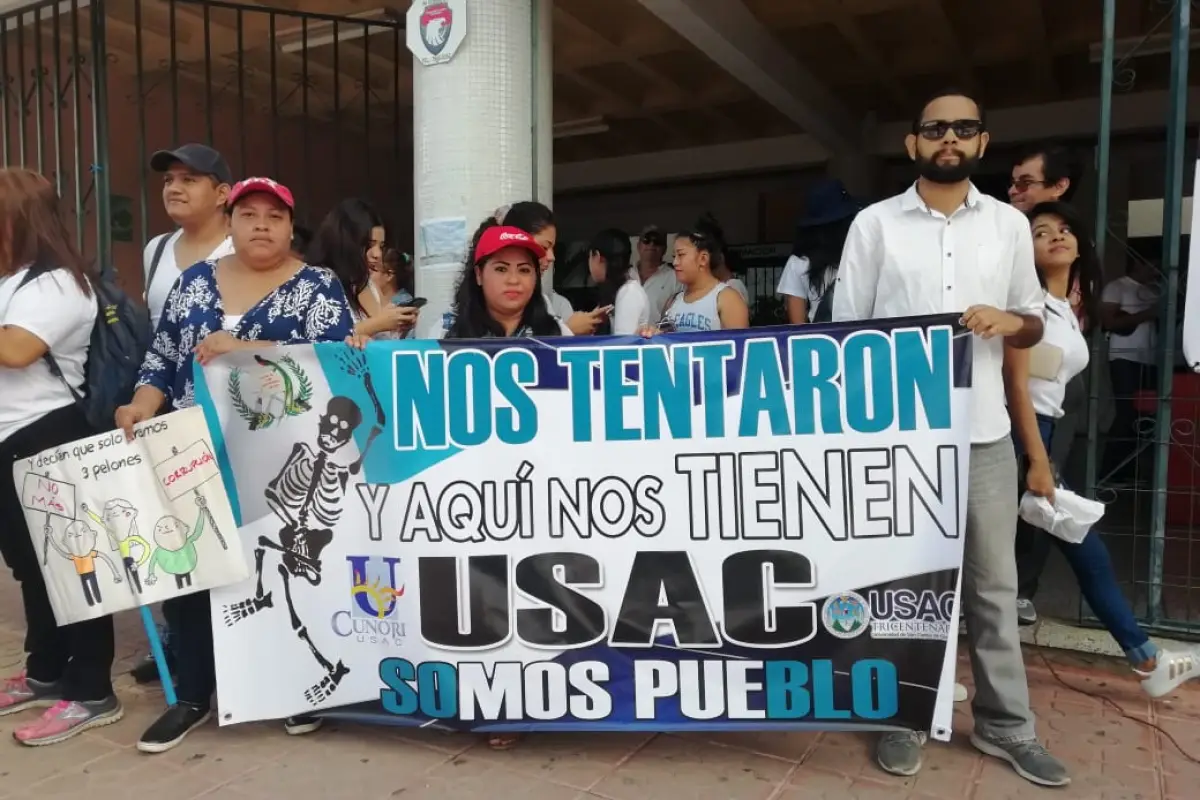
903	258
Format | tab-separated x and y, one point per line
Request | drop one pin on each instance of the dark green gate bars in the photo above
317	101
52	60
1152	484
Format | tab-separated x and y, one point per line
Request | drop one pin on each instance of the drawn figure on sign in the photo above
119	521
176	552
307	496
79	547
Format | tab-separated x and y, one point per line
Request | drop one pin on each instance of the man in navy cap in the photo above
196	181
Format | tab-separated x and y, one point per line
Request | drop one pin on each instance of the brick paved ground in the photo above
1111	757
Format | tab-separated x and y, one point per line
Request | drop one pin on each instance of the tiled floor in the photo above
1112	757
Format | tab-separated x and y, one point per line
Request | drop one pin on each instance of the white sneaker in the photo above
1172	670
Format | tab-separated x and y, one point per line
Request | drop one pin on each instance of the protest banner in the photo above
122	523
736	530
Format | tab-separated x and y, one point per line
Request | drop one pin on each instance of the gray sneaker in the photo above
1029	759
900	753
1026	613
68	718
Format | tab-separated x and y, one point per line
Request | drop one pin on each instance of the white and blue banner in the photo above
738	530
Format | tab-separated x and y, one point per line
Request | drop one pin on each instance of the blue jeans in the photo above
1093	569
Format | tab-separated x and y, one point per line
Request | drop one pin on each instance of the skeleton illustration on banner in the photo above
307	496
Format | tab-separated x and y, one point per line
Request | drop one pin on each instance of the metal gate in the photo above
1148	471
89	88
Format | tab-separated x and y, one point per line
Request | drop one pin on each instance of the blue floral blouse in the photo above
310	307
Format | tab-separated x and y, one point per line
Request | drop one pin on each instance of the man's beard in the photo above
957	172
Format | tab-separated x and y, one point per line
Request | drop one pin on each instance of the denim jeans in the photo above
1093	569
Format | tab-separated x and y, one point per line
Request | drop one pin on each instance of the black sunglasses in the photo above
654	240
963	128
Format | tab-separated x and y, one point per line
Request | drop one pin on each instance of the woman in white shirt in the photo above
810	272
1036	381
618	287
47	307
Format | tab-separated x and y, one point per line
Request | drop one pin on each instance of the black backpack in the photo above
120	339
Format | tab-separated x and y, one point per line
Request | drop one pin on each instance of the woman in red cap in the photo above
499	293
259	296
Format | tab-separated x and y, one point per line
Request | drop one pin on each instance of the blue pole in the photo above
160	655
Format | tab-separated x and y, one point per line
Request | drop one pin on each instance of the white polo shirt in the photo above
903	258
660	288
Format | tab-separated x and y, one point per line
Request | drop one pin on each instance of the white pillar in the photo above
474	138
543	131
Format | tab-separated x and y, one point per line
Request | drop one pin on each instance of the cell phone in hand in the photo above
411	302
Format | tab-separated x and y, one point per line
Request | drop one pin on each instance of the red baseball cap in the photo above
496	239
264	185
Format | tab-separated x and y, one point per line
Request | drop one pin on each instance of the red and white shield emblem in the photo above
436	21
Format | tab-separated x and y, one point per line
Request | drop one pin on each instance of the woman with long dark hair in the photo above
350	242
1036	382
498	293
617	285
46	306
499	296
705	303
811	271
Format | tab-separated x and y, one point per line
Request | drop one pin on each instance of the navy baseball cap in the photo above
197	157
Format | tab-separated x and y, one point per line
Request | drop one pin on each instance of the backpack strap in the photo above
159	249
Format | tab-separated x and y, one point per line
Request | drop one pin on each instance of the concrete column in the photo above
543	121
476	138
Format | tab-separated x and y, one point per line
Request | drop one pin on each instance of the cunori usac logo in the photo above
846	615
374	594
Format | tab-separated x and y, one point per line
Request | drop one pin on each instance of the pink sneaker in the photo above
19	693
69	718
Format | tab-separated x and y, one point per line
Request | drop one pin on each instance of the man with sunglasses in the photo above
945	247
658	279
1043	173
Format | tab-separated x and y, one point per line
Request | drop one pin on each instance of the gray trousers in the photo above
989	596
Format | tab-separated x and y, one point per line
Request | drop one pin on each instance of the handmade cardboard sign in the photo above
122	523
